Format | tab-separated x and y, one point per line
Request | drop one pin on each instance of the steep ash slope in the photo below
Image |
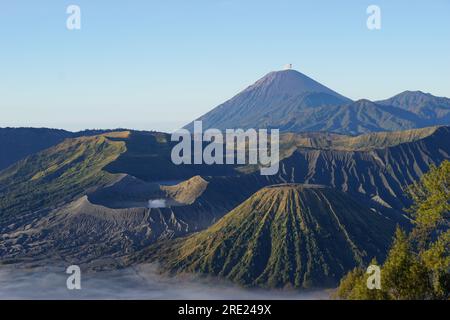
283	235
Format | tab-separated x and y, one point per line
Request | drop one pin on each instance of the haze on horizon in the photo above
159	65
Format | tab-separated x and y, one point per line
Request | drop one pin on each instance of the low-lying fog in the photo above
140	282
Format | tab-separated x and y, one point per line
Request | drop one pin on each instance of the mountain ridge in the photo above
292	102
18	143
422	104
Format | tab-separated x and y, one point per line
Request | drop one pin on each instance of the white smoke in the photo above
157	203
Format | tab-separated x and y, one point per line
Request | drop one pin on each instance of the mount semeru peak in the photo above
273	101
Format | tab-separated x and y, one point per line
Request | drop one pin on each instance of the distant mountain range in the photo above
287	100
18	143
292	102
426	106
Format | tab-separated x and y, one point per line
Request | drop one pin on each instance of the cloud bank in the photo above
141	282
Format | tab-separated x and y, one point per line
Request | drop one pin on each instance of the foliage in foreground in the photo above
418	263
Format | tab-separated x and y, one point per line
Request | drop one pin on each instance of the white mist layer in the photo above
140	282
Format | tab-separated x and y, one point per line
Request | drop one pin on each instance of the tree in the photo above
404	276
353	286
417	265
431	197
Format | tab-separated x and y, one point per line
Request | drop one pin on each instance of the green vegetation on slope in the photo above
18	143
56	175
369	141
284	236
418	264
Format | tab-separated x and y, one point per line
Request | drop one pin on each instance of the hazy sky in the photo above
159	64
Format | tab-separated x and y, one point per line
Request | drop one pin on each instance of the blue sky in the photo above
160	64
